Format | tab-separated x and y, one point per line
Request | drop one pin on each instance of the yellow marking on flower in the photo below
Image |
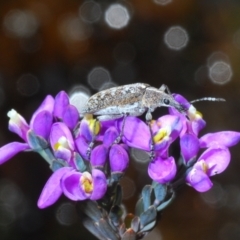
94	124
162	134
56	146
62	142
204	166
86	182
193	114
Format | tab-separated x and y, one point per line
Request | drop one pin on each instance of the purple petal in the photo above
197	125
18	124
61	102
63	153
82	146
136	133
162	170
52	189
11	149
85	131
199	180
71	186
225	138
59	130
47	105
42	124
174	122
166	129
189	147
162	146
99	156
99	183
70	116
105	125
183	101
216	158
118	158
110	136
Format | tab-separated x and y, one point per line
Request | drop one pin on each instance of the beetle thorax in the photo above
153	98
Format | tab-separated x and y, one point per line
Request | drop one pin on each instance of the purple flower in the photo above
225	138
64	111
118	158
75	185
80	186
213	161
189	145
61	141
99	156
40	125
63	146
89	127
193	121
117	153
165	130
162	170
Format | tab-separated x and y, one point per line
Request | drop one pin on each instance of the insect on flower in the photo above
130	100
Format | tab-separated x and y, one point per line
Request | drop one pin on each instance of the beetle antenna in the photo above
212	99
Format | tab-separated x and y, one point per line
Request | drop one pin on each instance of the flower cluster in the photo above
86	158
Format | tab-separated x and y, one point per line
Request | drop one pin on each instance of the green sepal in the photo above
90	209
115	215
166	203
57	164
107	231
36	142
146	196
79	162
135	224
160	191
148	216
139	209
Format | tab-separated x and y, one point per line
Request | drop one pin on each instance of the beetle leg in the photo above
118	139
148	120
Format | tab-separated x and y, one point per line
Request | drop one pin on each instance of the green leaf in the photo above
90	209
116	176
149	227
139	209
92	227
166	203
107	231
148	216
146	196
36	142
160	192
79	162
118	195
135	224
115	215
56	164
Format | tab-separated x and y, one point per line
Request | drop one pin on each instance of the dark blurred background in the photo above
85	46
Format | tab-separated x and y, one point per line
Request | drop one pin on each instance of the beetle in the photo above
129	100
132	99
